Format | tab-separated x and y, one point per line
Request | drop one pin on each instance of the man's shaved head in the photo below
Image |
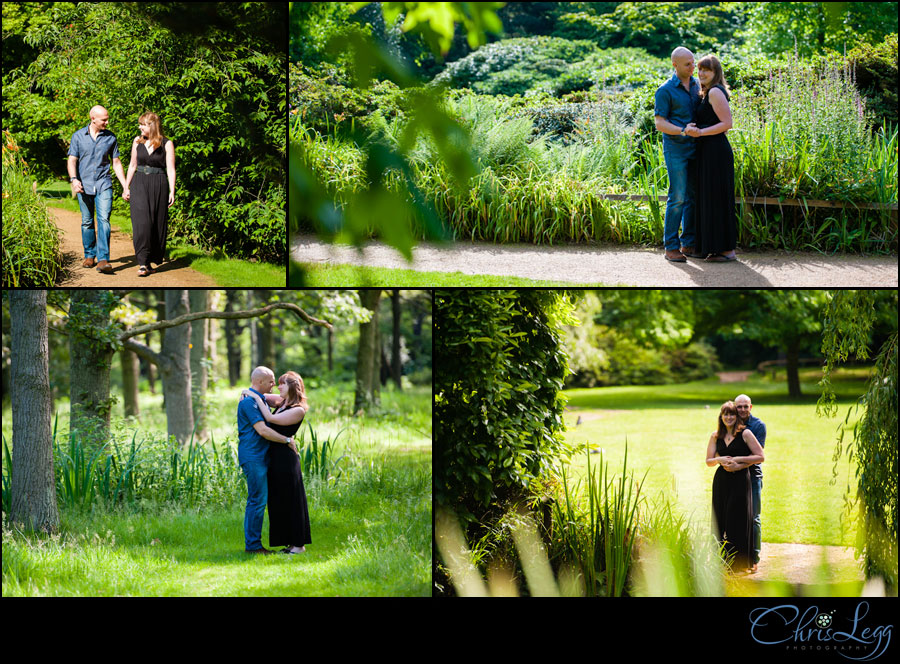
681	52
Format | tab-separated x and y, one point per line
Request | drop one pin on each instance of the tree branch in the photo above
143	351
252	313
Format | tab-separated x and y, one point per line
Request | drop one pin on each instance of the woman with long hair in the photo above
714	215
150	188
288	510
731	446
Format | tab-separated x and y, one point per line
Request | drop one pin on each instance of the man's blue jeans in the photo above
680	206
255	471
96	245
756	525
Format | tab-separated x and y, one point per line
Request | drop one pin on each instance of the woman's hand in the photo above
171	198
126	194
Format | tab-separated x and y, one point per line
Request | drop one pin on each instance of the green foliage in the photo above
657	27
848	321
514	66
497	404
31	255
807	28
216	79
876	77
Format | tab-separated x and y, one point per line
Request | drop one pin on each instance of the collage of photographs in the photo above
631	266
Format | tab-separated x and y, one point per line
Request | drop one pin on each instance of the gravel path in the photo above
615	265
121	255
803	564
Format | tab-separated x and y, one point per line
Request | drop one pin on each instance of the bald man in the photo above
743	405
90	152
675	105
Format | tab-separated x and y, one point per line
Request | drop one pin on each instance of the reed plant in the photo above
596	531
31	243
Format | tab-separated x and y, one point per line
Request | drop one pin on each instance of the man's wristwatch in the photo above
73	179
289	440
682	131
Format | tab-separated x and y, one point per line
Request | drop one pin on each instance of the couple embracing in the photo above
693	117
736	448
268	457
149	186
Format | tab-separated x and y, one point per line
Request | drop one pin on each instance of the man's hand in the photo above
77	188
293	447
691	130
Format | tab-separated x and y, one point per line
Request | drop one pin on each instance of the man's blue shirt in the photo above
757	428
94	157
677	105
251	446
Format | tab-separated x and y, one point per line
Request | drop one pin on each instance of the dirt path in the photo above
614	265
121	253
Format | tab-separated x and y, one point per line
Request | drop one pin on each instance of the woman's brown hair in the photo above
294	395
711	63
155	134
729	407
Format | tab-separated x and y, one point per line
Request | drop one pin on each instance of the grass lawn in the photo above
341	275
667	429
228	272
371	528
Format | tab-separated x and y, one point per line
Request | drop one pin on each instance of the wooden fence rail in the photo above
760	200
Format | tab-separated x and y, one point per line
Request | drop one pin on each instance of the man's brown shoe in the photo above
263	551
89	262
675	256
104	267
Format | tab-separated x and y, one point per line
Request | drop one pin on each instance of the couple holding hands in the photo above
149	187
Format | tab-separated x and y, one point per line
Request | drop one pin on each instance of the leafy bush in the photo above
31	256
497	405
513	66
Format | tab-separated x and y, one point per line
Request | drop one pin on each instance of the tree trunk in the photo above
90	358
199	300
32	485
175	367
233	331
367	383
793	373
396	363
131	373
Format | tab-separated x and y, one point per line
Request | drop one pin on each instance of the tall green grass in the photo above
31	256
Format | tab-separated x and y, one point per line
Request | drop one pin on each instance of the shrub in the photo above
497	405
31	257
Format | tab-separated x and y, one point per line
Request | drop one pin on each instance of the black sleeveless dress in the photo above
288	512
732	504
150	206
714	213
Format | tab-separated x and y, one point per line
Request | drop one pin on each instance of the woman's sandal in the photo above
144	271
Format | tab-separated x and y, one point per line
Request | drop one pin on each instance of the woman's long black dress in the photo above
714	215
288	512
150	206
732	504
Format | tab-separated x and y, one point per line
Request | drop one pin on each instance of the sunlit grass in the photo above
667	429
371	526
